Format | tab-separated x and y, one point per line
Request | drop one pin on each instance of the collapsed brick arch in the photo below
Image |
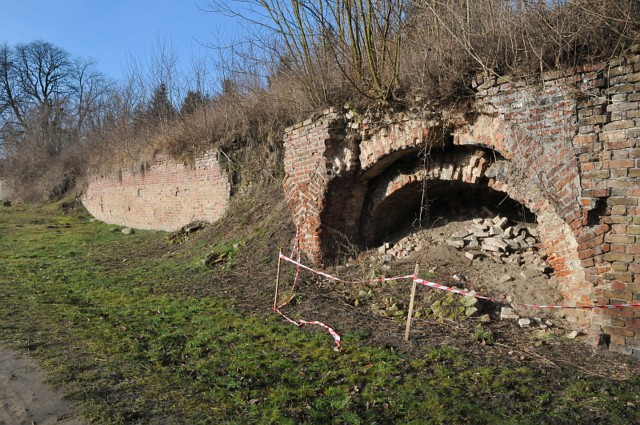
348	165
348	184
397	193
567	148
393	195
355	173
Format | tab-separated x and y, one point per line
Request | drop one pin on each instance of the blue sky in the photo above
112	31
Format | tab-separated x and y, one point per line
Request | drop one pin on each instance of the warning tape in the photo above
296	248
460	291
337	279
450	289
581	307
539	306
336	336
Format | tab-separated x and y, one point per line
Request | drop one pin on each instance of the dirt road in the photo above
25	398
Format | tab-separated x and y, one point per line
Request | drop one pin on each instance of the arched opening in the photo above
468	230
435	203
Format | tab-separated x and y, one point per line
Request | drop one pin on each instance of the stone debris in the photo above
507	313
530	273
472	255
128	231
459	277
509	242
495	234
573	335
505	278
456	243
487	234
524	322
494	244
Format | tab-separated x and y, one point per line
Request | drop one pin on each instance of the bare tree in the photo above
360	38
47	102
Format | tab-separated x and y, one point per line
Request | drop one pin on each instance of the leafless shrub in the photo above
451	41
398	49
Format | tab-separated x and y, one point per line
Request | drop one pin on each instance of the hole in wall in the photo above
599	210
440	202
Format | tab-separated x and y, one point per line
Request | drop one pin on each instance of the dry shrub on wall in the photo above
245	123
246	127
448	42
440	46
393	50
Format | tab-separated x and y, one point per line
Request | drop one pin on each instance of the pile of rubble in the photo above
495	235
507	241
499	238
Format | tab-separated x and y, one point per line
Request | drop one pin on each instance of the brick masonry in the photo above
565	145
162	194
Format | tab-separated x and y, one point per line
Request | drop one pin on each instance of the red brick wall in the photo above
162	194
566	147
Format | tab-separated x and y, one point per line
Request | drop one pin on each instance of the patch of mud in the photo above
25	398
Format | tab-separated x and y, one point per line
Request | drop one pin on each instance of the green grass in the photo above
100	310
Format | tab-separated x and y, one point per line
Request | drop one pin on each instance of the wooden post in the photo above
275	297
413	296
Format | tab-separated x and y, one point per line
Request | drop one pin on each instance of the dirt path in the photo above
25	398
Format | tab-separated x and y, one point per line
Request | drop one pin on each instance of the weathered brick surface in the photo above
566	146
163	194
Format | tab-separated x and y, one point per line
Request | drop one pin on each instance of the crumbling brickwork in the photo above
162	194
565	146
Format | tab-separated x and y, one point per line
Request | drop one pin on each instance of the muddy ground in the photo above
25	398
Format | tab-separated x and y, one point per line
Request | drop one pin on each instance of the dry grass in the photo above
445	44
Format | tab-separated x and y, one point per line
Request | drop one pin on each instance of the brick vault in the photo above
565	146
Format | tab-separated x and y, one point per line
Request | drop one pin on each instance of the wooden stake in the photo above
275	297
413	296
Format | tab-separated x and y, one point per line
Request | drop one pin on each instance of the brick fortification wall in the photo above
162	194
566	146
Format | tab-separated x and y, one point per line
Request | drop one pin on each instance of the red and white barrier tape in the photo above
581	307
337	279
459	291
539	306
296	248
336	336
450	289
